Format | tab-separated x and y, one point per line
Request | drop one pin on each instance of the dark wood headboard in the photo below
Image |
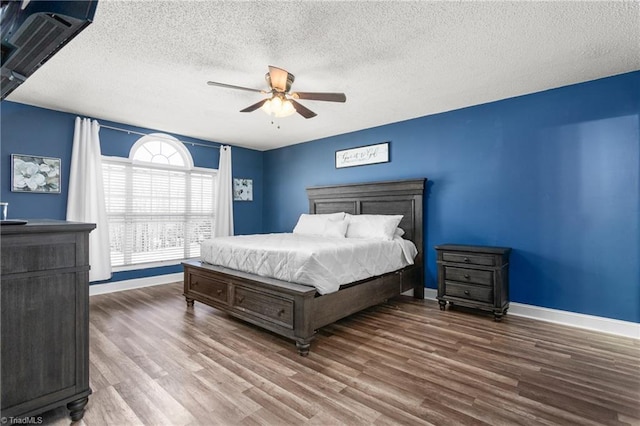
403	197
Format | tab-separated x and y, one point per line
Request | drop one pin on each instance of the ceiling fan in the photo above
281	101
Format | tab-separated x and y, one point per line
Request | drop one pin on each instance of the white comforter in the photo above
322	262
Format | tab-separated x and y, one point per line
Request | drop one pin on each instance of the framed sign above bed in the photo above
370	154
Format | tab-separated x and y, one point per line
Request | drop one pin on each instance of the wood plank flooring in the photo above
156	362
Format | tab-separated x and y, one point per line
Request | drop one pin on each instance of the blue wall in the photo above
554	175
37	131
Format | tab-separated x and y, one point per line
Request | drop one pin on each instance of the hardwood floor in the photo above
156	362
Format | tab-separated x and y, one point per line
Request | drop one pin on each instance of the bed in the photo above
297	311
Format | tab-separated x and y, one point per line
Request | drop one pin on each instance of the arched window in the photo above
158	148
160	206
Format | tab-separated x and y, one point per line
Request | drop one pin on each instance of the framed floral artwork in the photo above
243	190
32	173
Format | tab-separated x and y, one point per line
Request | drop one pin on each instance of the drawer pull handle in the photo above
219	292
240	299
466	292
466	259
466	276
280	312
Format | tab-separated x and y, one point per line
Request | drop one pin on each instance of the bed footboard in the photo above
290	310
281	307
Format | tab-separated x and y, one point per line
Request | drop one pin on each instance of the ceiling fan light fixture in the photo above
286	109
266	107
278	107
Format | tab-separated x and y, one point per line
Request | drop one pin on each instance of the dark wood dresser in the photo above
45	318
474	276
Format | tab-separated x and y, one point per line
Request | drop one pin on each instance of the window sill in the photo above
149	265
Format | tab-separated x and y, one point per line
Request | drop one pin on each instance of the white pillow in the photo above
332	216
399	232
373	226
314	224
335	228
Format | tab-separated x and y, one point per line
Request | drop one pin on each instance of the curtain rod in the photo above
212	145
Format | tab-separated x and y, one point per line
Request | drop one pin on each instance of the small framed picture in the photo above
33	173
243	189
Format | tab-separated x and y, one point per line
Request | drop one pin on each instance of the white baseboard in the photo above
572	319
589	322
135	283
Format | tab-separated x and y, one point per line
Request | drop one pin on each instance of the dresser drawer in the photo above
40	253
464	275
209	286
470	292
266	306
471	259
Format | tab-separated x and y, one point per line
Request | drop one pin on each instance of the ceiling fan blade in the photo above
231	86
318	96
278	78
303	110
254	106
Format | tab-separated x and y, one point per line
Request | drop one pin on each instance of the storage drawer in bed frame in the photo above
276	309
208	286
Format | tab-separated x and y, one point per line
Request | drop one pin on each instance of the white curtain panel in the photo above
224	196
86	202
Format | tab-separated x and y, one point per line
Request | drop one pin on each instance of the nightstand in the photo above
474	276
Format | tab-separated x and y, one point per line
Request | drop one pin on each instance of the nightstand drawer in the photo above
469	259
475	276
471	292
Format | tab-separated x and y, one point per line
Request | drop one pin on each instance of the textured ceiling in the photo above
146	63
